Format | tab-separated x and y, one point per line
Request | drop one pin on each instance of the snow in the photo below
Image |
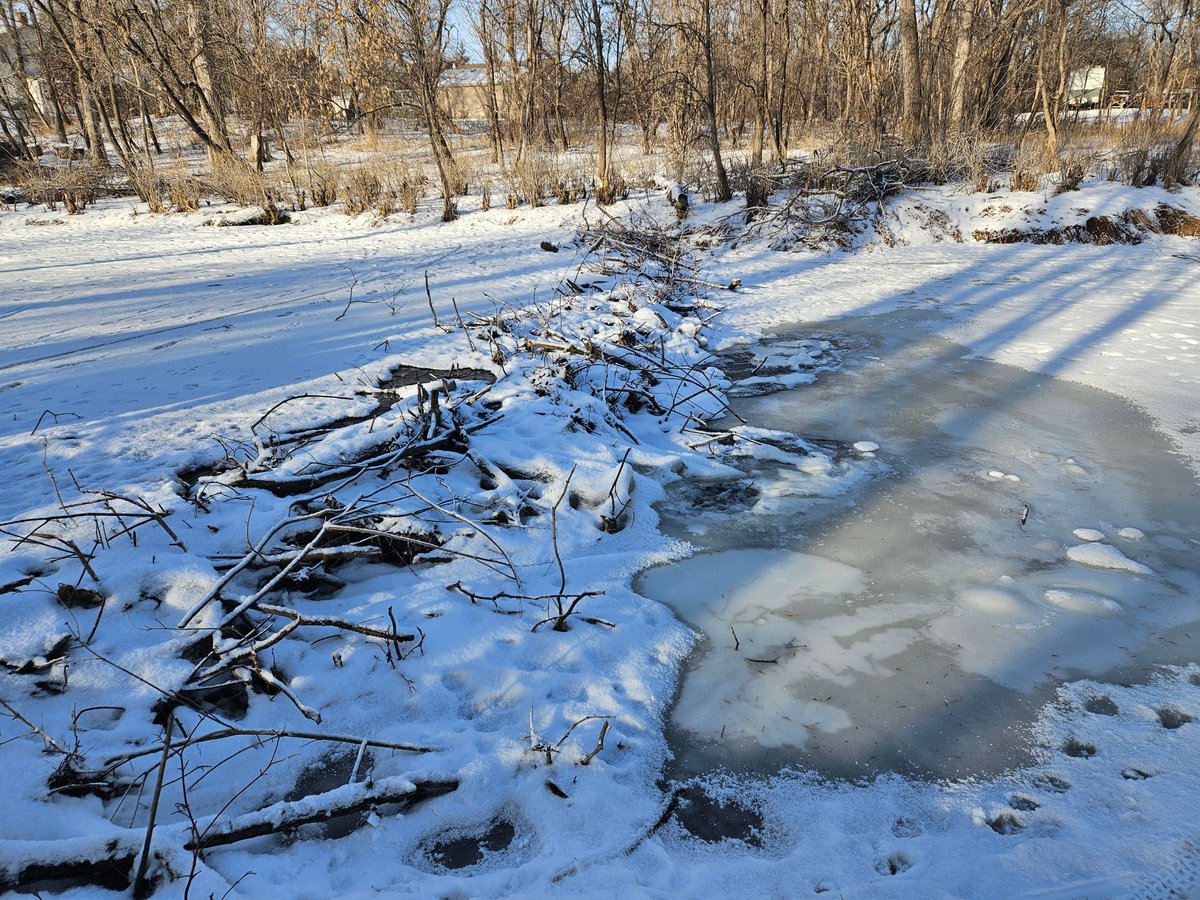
133	347
1106	556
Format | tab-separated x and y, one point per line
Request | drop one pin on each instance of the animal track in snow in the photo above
1005	822
1052	783
1078	749
1102	706
1172	718
893	865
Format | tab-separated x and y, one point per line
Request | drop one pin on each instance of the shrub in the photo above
75	186
183	190
363	189
324	183
231	178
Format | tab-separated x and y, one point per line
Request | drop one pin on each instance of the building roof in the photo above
471	75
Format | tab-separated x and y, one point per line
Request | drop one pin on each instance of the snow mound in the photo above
1106	556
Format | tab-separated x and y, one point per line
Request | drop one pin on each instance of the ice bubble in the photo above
866	446
995	474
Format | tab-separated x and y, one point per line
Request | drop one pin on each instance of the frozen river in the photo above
994	533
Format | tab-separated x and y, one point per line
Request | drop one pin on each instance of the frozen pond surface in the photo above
979	535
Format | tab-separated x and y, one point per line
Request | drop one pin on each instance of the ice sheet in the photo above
878	615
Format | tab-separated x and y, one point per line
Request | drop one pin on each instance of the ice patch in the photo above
1075	600
775	623
1131	534
1088	534
866	446
1106	556
1003	601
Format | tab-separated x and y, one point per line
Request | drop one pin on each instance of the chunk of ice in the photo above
1106	556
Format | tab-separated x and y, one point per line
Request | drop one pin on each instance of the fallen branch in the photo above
343	801
266	734
140	886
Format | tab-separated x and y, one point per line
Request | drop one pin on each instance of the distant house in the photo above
463	91
1085	90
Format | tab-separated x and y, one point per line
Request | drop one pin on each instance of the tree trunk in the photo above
763	100
724	192
211	106
493	103
441	150
958	81
910	60
600	73
92	131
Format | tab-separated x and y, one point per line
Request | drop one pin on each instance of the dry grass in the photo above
233	179
386	188
323	182
75	187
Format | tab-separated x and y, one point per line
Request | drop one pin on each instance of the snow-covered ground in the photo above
135	347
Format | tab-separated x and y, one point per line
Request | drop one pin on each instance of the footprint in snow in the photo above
893	865
1172	718
1052	783
1023	802
1005	822
1078	749
1101	706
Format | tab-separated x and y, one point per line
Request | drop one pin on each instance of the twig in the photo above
268	676
353	282
140	887
255	551
562	572
599	744
562	740
269	734
433	312
50	742
56	417
458	316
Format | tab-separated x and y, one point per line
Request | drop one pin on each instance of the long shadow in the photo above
157	387
1067	281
